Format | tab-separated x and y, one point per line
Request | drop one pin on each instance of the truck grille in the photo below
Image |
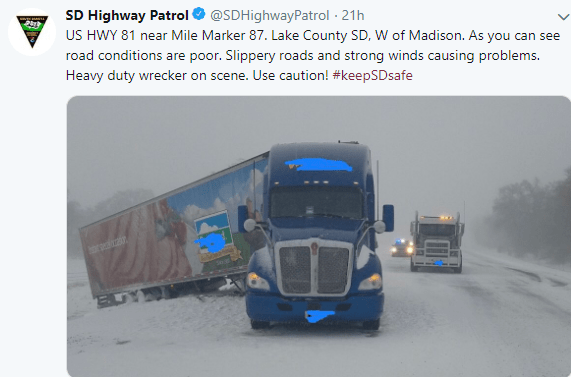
437	244
436	249
327	271
295	263
332	272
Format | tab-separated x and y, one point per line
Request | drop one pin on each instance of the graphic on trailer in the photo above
214	235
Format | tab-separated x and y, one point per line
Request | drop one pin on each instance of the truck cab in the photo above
437	241
319	262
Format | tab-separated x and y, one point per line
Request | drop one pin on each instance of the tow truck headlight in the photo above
373	282
257	282
409	250
393	249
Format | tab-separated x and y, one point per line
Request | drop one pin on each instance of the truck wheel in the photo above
458	270
372	325
257	325
412	267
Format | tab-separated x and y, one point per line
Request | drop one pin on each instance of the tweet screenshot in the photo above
282	189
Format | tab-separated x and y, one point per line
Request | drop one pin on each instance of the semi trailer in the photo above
185	239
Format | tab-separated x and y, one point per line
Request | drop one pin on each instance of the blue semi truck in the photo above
293	224
318	261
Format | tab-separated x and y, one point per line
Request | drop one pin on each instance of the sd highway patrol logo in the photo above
32	27
31	32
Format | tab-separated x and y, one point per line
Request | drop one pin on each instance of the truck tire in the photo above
257	325
412	267
372	325
458	270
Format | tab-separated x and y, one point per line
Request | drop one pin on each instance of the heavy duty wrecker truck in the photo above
437	241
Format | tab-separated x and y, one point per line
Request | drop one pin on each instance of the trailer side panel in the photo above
188	234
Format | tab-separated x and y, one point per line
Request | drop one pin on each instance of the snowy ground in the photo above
500	317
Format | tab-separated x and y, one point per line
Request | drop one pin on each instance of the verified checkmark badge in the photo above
198	13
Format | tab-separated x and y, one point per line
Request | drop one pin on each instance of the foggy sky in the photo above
435	153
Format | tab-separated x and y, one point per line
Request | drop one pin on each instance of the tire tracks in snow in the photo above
531	275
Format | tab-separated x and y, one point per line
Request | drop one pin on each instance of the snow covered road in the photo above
500	317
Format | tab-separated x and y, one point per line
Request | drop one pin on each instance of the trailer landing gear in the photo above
240	283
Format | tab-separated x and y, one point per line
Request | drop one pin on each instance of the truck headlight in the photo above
373	282
256	282
409	250
393	250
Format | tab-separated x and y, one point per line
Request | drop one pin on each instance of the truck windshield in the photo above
343	202
437	230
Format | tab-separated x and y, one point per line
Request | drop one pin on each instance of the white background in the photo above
35	94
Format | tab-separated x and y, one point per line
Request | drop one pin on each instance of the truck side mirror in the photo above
249	225
389	217
242	216
379	226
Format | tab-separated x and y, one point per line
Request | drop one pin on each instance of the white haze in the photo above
437	154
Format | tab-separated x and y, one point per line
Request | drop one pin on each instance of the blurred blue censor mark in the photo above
318	164
438	263
313	316
214	242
